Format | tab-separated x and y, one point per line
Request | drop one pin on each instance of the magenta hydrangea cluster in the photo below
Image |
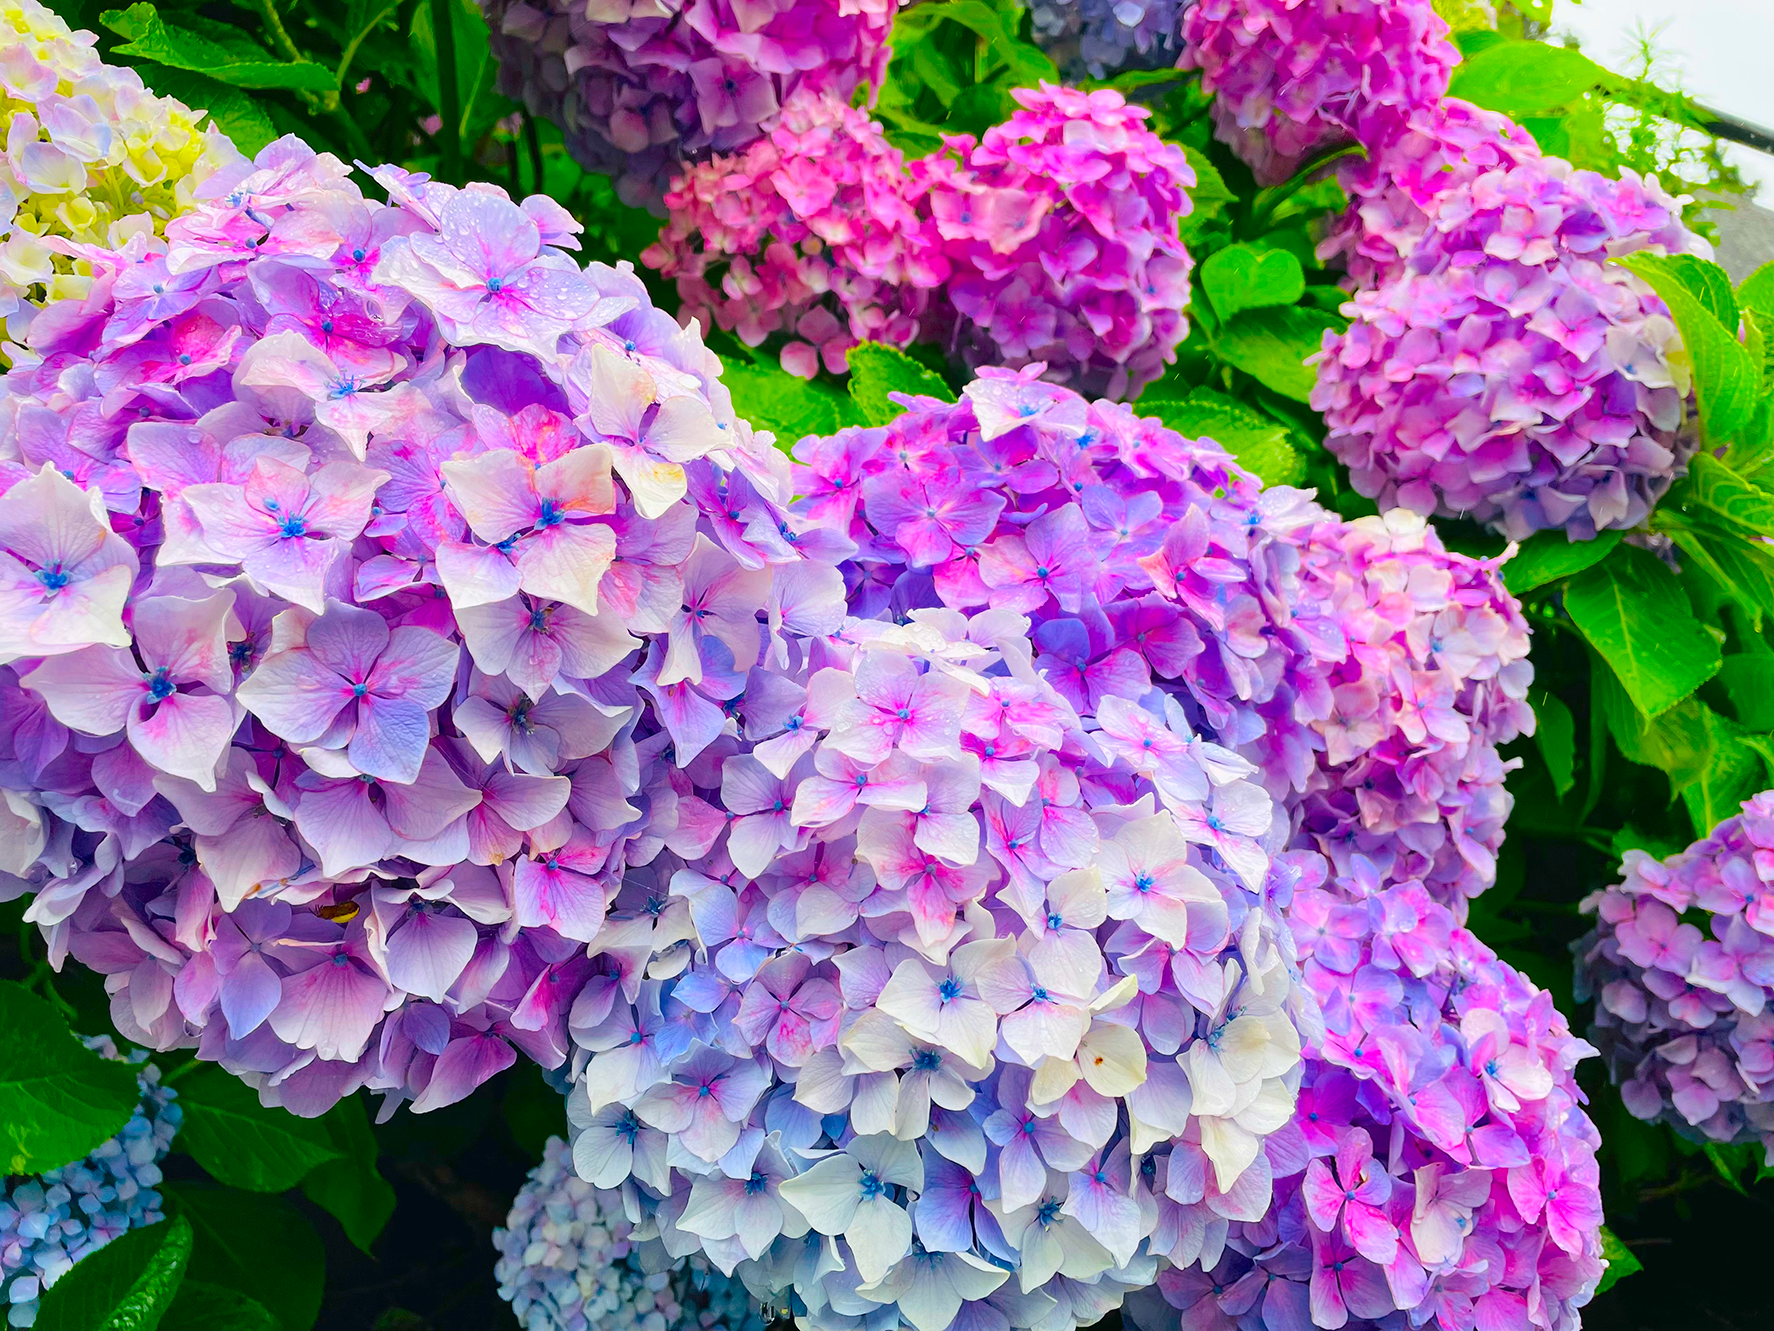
1060	227
341	544
1293	78
810	233
1506	372
979	916
1681	966
639	87
1439	1165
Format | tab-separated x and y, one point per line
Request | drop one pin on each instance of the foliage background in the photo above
345	1224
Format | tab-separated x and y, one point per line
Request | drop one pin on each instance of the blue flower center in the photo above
949	989
551	515
871	1185
293	526
358	690
160	687
926	1060
495	285
54	578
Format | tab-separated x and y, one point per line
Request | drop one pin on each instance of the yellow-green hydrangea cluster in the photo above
91	155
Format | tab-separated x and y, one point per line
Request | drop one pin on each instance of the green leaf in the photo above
1756	292
1260	443
1555	731
1732	774
1678	743
238	64
1547	556
246	123
1726	378
877	370
352	1188
1621	1262
1519	77
258	1244
58	1099
1748	681
1637	617
202	1306
1717	494
787	405
240	1142
1210	186
1271	345
1244	277
127	1285
475	69
1750	567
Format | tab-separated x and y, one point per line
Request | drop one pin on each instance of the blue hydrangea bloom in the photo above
1102	37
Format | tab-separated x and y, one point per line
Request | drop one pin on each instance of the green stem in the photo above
357	41
449	96
281	39
533	141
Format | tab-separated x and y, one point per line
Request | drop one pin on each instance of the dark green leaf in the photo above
352	1188
1732	774
1637	617
1518	77
1747	565
1244	277
231	62
58	1099
877	370
1678	743
788	406
1555	731
242	1143
1260	443
258	1244
1748	681
1621	1262
1210	186
201	1306
1548	556
246	123
1726	379
1272	346
127	1285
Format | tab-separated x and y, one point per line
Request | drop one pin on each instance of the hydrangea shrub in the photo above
1680	964
92	156
50	1221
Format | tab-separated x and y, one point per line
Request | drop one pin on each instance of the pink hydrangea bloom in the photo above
1507	372
1292	79
811	232
1060	227
639	87
1681	964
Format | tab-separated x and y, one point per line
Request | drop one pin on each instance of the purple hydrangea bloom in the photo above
1095	38
1506	372
1681	964
568	1262
640	87
340	541
52	1220
1292	78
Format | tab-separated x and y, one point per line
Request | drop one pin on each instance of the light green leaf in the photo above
1244	277
1271	345
1756	292
58	1099
1555	731
1210	186
1261	444
1633	611
240	1142
201	1306
1726	378
1621	1262
1519	77
236	62
788	406
1547	556
351	1187
127	1285
1717	494
877	370
256	1243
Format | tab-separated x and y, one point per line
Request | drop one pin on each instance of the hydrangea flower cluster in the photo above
92	156
341	544
1412	163
1060	227
1420	674
976	918
1440	1164
1095	38
51	1221
640	86
1292	78
1682	1011
567	1262
810	232
1506	372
